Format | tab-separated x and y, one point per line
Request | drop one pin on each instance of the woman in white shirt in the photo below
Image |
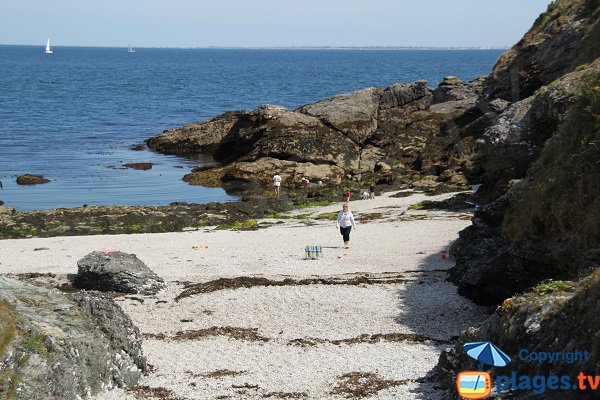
345	222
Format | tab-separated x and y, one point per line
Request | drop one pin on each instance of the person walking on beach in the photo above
348	194
345	222
372	190
276	185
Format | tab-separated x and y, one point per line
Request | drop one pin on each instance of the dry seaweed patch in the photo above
286	395
363	384
365	218
220	373
147	392
248	334
250	281
366	338
155	336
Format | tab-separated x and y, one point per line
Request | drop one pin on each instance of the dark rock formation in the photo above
346	135
116	271
566	36
65	346
29	179
139	165
545	224
557	316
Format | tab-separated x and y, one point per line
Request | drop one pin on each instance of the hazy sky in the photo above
202	23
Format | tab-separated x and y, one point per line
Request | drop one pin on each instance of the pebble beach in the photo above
246	315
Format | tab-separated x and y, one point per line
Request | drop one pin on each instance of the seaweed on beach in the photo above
220	373
248	334
147	392
366	338
363	384
250	281
286	395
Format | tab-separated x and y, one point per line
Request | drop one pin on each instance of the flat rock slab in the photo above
116	271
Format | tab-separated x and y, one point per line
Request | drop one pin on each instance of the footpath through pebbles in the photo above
244	315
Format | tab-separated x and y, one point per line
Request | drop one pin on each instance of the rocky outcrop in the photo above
118	272
555	317
29	179
566	36
64	345
404	126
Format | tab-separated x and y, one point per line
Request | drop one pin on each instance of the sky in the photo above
267	23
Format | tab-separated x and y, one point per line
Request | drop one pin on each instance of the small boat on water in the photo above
48	48
130	49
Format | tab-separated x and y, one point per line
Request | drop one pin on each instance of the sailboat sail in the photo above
48	48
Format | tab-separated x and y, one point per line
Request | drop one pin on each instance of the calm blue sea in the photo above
72	115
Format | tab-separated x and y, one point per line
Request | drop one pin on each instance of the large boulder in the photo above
564	37
116	271
353	114
59	345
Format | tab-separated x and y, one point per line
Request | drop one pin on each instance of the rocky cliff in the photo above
565	36
538	233
542	158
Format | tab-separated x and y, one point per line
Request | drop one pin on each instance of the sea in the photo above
73	115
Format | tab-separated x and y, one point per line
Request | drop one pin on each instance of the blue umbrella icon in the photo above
486	353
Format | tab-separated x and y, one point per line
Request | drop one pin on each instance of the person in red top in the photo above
348	194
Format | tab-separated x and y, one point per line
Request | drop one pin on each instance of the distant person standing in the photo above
372	190
345	222
276	184
348	194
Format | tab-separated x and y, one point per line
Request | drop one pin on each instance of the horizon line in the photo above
325	47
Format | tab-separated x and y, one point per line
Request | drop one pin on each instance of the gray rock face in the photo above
517	136
118	271
65	346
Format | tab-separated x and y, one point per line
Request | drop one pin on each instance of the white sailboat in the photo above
48	48
130	49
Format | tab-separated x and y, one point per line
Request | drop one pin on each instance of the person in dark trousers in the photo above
345	222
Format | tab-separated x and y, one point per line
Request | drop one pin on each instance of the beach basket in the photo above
313	252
